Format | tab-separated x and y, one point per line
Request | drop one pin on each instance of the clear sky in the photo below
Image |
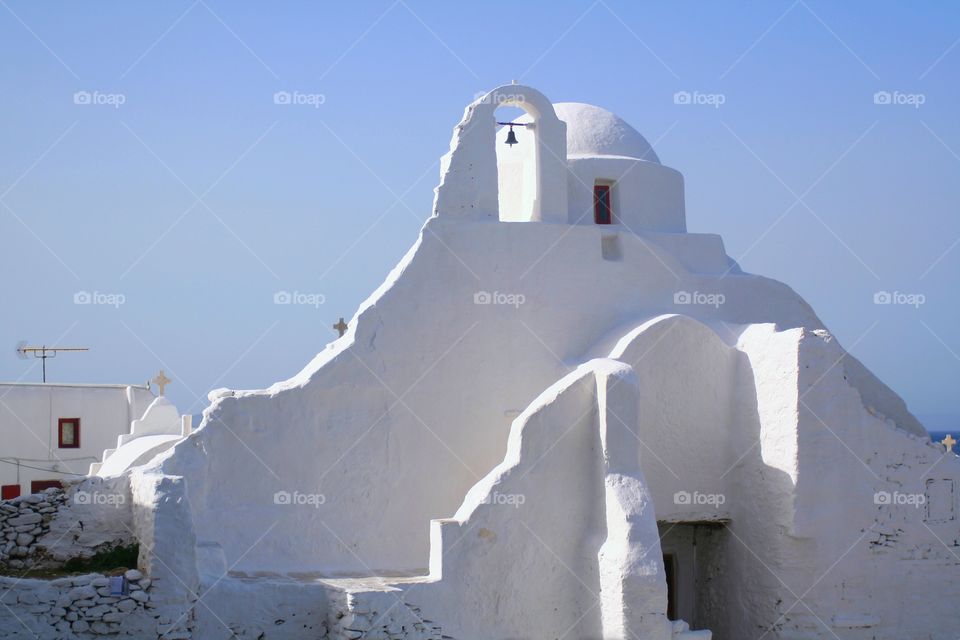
174	183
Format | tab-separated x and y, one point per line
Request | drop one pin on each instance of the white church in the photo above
561	416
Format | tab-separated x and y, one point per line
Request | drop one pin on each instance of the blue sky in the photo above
198	197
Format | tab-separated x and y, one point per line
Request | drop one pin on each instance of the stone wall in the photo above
80	607
378	615
23	521
45	530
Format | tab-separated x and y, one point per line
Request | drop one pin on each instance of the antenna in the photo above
43	352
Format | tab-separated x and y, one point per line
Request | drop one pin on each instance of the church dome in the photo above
593	131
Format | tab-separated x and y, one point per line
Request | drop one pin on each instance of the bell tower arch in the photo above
469	183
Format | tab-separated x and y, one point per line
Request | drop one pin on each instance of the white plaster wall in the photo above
559	539
647	196
685	428
338	428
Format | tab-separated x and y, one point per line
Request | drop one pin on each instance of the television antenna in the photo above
43	352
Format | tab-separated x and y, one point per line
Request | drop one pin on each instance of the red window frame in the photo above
602	207
76	433
9	491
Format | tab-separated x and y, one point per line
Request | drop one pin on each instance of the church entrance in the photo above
694	560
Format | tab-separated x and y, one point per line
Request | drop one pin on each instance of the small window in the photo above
602	210
69	433
9	491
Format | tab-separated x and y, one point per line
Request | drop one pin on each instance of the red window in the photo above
9	491
602	211
39	485
68	430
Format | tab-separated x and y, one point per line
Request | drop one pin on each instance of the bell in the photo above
511	137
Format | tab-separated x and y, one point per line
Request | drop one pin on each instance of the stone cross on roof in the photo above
948	442
341	327
161	381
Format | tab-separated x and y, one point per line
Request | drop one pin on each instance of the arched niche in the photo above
469	178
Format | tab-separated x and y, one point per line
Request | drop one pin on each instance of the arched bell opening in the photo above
517	165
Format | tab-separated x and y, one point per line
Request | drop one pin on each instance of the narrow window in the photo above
69	433
9	491
602	211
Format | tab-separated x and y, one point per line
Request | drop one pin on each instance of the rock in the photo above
82	593
133	575
139	596
96	612
63	626
33	498
28	597
102	581
58	612
112	616
103	591
25	519
127	605
24	539
72	616
145	583
100	628
80	626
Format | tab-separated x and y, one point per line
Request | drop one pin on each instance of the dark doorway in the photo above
670	568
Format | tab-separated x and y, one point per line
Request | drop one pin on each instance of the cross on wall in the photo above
161	381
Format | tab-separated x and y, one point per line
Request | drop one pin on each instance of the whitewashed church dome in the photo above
593	131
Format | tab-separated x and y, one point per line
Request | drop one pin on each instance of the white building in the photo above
561	416
55	431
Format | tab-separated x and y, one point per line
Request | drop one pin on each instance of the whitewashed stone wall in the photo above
79	607
378	615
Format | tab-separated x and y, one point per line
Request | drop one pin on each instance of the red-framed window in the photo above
39	485
68	433
602	209
9	491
